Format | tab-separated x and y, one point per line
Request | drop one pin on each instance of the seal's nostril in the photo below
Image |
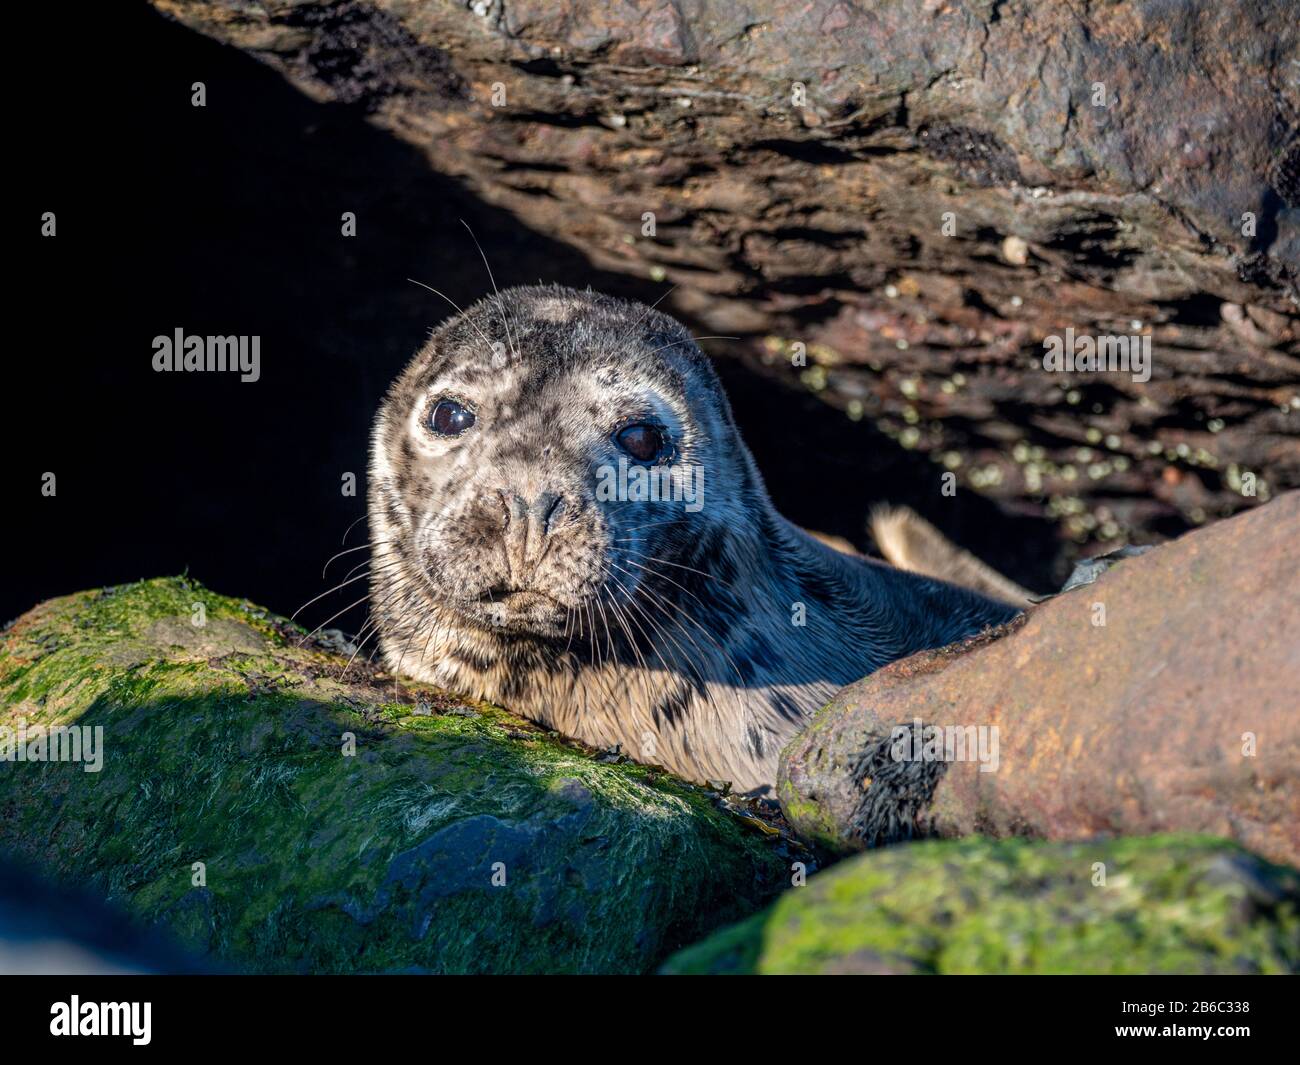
511	506
548	506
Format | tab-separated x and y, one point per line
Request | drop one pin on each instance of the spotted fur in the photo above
673	634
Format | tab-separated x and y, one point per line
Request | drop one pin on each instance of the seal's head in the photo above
565	521
548	449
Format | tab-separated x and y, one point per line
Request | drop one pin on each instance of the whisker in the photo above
647	525
351	527
663	632
645	311
317	629
707	635
663	347
505	319
678	565
322	595
464	315
349	551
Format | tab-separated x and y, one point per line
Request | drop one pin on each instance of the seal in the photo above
565	520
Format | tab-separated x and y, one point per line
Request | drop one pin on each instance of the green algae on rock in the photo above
274	813
1156	904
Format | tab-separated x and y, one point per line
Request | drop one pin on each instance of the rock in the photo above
1160	698
917	194
226	811
1160	904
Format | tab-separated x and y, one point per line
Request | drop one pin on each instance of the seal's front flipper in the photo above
911	543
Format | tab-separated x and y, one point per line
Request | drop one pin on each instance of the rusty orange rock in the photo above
1163	697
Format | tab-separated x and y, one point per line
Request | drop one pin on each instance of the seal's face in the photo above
543	456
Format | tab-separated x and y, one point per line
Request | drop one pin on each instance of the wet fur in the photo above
666	632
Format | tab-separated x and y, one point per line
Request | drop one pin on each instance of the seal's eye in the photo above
449	418
642	441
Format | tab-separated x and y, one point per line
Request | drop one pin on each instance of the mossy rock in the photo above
223	743
1169	904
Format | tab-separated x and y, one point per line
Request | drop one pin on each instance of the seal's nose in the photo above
527	526
543	510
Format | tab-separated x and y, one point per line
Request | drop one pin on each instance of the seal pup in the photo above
565	521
